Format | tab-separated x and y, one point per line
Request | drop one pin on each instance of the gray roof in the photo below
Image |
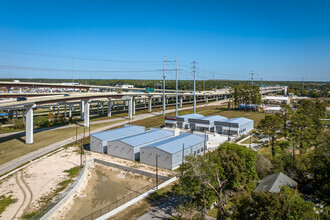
272	183
193	115
147	137
213	118
175	144
119	132
239	121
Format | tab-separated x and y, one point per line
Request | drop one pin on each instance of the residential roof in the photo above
273	183
193	115
147	137
175	144
119	132
239	121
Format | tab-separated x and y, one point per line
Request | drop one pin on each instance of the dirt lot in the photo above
35	182
106	185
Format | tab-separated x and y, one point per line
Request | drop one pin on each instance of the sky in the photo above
276	39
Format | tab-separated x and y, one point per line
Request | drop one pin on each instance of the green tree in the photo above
287	204
270	126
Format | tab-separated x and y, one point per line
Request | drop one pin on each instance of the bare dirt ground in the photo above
103	186
130	163
36	181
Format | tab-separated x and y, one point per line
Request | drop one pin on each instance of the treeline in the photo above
246	94
188	84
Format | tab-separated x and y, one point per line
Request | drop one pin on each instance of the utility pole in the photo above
176	87
72	71
203	80
164	87
204	141
303	86
252	78
261	89
194	70
182	157
157	171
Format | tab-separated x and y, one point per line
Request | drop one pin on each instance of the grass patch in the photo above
14	146
6	201
73	172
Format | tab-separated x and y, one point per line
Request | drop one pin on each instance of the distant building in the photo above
182	120
169	151
273	183
276	99
236	126
206	123
125	86
273	109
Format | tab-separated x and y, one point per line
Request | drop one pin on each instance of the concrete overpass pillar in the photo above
206	99
130	108
216	98
10	114
181	101
150	104
98	108
58	109
82	109
86	113
70	111
134	105
102	108
64	111
109	107
29	125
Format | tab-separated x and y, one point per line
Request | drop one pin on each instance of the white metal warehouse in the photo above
169	151
181	121
98	141
129	147
236	126
205	123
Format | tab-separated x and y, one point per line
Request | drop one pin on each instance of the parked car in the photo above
21	98
65	95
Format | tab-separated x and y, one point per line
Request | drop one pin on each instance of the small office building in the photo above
206	123
98	141
182	120
169	151
129	147
234	126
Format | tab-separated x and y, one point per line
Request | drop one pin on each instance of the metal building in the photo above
181	121
237	126
169	151
129	147
206	123
98	141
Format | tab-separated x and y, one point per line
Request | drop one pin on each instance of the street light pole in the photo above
176	86
164	87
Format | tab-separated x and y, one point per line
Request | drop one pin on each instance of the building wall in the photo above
97	145
239	131
148	156
167	160
120	149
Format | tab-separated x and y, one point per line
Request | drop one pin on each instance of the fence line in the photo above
119	202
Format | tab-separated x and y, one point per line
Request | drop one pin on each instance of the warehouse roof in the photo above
147	137
239	121
274	182
213	118
119	132
193	115
175	144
